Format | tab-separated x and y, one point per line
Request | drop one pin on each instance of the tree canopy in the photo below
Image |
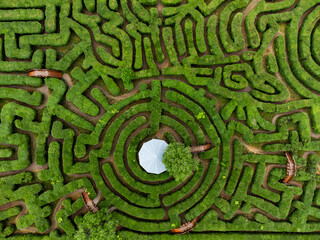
97	226
179	161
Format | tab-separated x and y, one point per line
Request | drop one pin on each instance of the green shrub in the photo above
97	226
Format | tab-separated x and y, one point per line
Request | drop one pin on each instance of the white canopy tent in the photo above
150	156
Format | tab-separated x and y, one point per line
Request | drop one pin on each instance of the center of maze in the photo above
242	76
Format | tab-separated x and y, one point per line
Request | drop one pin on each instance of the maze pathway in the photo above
241	75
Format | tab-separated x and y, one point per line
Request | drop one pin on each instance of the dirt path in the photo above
31	168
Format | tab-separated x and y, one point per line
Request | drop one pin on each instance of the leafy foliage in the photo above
96	226
127	75
179	161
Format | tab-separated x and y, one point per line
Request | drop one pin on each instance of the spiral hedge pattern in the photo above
241	75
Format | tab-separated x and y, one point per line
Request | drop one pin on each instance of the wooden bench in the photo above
44	73
89	203
186	227
291	168
200	148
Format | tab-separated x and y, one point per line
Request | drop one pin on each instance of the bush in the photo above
179	161
97	226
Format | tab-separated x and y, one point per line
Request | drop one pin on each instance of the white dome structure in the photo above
150	156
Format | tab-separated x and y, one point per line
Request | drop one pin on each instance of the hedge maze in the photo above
242	75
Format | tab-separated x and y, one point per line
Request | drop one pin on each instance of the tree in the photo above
179	161
97	226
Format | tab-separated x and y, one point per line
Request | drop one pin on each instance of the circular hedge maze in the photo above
241	75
